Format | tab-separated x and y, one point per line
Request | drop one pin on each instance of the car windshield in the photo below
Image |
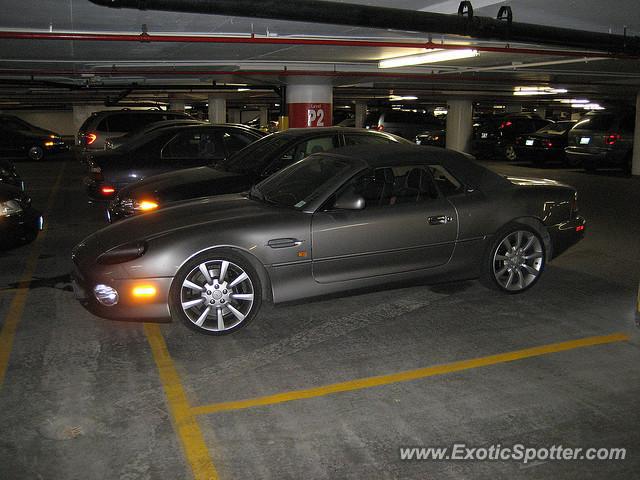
301	182
255	156
596	122
556	128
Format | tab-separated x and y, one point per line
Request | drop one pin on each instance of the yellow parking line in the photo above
16	307
185	422
405	376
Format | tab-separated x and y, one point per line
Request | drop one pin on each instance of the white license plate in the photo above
484	135
529	142
585	140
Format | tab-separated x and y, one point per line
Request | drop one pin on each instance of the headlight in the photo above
10	207
123	253
130	205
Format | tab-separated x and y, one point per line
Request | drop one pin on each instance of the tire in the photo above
211	306
36	153
510	153
516	269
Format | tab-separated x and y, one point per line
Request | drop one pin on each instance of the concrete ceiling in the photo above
100	70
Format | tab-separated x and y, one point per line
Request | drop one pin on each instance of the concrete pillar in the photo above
310	103
635	162
234	115
460	125
361	113
264	116
176	105
217	110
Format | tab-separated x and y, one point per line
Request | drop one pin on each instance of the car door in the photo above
406	225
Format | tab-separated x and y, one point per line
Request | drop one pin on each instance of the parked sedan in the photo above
21	139
436	138
496	136
167	149
545	145
19	221
112	143
359	217
240	171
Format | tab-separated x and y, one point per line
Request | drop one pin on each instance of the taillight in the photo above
548	144
380	128
107	190
89	138
612	139
508	123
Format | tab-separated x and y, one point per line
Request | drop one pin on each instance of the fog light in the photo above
106	295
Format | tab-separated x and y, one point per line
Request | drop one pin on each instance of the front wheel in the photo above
36	153
515	260
216	293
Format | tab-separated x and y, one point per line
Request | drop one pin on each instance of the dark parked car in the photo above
404	124
9	174
19	221
335	221
116	142
545	145
21	139
496	136
167	149
99	126
602	139
435	138
240	171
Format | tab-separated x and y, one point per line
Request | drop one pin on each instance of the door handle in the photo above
439	219
283	242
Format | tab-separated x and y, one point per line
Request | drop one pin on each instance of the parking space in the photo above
330	388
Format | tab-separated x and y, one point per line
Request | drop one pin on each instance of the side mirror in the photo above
349	201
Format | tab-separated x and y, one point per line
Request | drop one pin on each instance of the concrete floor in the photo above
82	397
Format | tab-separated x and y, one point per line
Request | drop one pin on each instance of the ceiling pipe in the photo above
257	40
366	16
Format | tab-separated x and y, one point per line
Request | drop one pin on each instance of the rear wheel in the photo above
216	293
510	153
36	153
516	259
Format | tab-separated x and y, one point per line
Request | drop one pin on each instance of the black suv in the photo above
496	136
602	139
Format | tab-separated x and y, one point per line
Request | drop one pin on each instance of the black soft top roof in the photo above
462	166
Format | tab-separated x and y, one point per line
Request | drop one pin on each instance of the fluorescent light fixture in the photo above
526	91
430	56
395	98
572	100
244	89
589	106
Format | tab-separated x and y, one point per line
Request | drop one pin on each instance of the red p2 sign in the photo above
309	115
315	117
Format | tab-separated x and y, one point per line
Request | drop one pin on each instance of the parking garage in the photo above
401	376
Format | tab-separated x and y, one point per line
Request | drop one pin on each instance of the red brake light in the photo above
579	228
548	144
612	139
108	190
89	138
508	123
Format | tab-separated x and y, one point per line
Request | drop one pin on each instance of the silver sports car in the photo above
363	216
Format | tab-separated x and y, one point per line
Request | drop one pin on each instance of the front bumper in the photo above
128	306
567	234
24	226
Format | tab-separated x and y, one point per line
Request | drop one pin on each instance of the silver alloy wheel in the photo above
510	153
518	260
36	153
217	295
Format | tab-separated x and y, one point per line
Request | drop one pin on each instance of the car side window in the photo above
191	144
234	141
300	151
391	186
355	139
445	181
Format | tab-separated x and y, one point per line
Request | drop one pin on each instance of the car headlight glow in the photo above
10	207
130	205
106	295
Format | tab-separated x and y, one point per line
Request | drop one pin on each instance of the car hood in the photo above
38	134
235	209
187	183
